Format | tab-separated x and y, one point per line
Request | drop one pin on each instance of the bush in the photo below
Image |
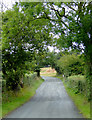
28	78
71	65
78	84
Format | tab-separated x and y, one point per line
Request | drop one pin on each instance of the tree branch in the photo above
71	8
57	12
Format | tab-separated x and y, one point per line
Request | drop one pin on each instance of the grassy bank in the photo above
19	98
80	100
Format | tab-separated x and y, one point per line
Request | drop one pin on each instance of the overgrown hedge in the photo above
27	82
71	65
78	84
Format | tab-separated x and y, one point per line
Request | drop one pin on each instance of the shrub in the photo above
28	78
78	84
71	65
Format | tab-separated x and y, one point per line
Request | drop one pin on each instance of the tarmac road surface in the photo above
50	101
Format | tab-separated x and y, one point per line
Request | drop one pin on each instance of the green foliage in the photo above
26	33
22	39
78	84
79	98
12	100
51	59
78	29
71	65
28	79
65	63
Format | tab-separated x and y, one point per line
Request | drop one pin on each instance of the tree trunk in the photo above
38	73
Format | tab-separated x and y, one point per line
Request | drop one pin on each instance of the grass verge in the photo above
80	101
23	96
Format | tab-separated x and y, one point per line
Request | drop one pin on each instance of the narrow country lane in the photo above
50	101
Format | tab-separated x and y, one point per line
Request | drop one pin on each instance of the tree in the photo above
69	25
74	25
51	59
37	62
35	21
21	40
71	64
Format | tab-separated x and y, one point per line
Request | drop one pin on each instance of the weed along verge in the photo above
12	100
78	97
